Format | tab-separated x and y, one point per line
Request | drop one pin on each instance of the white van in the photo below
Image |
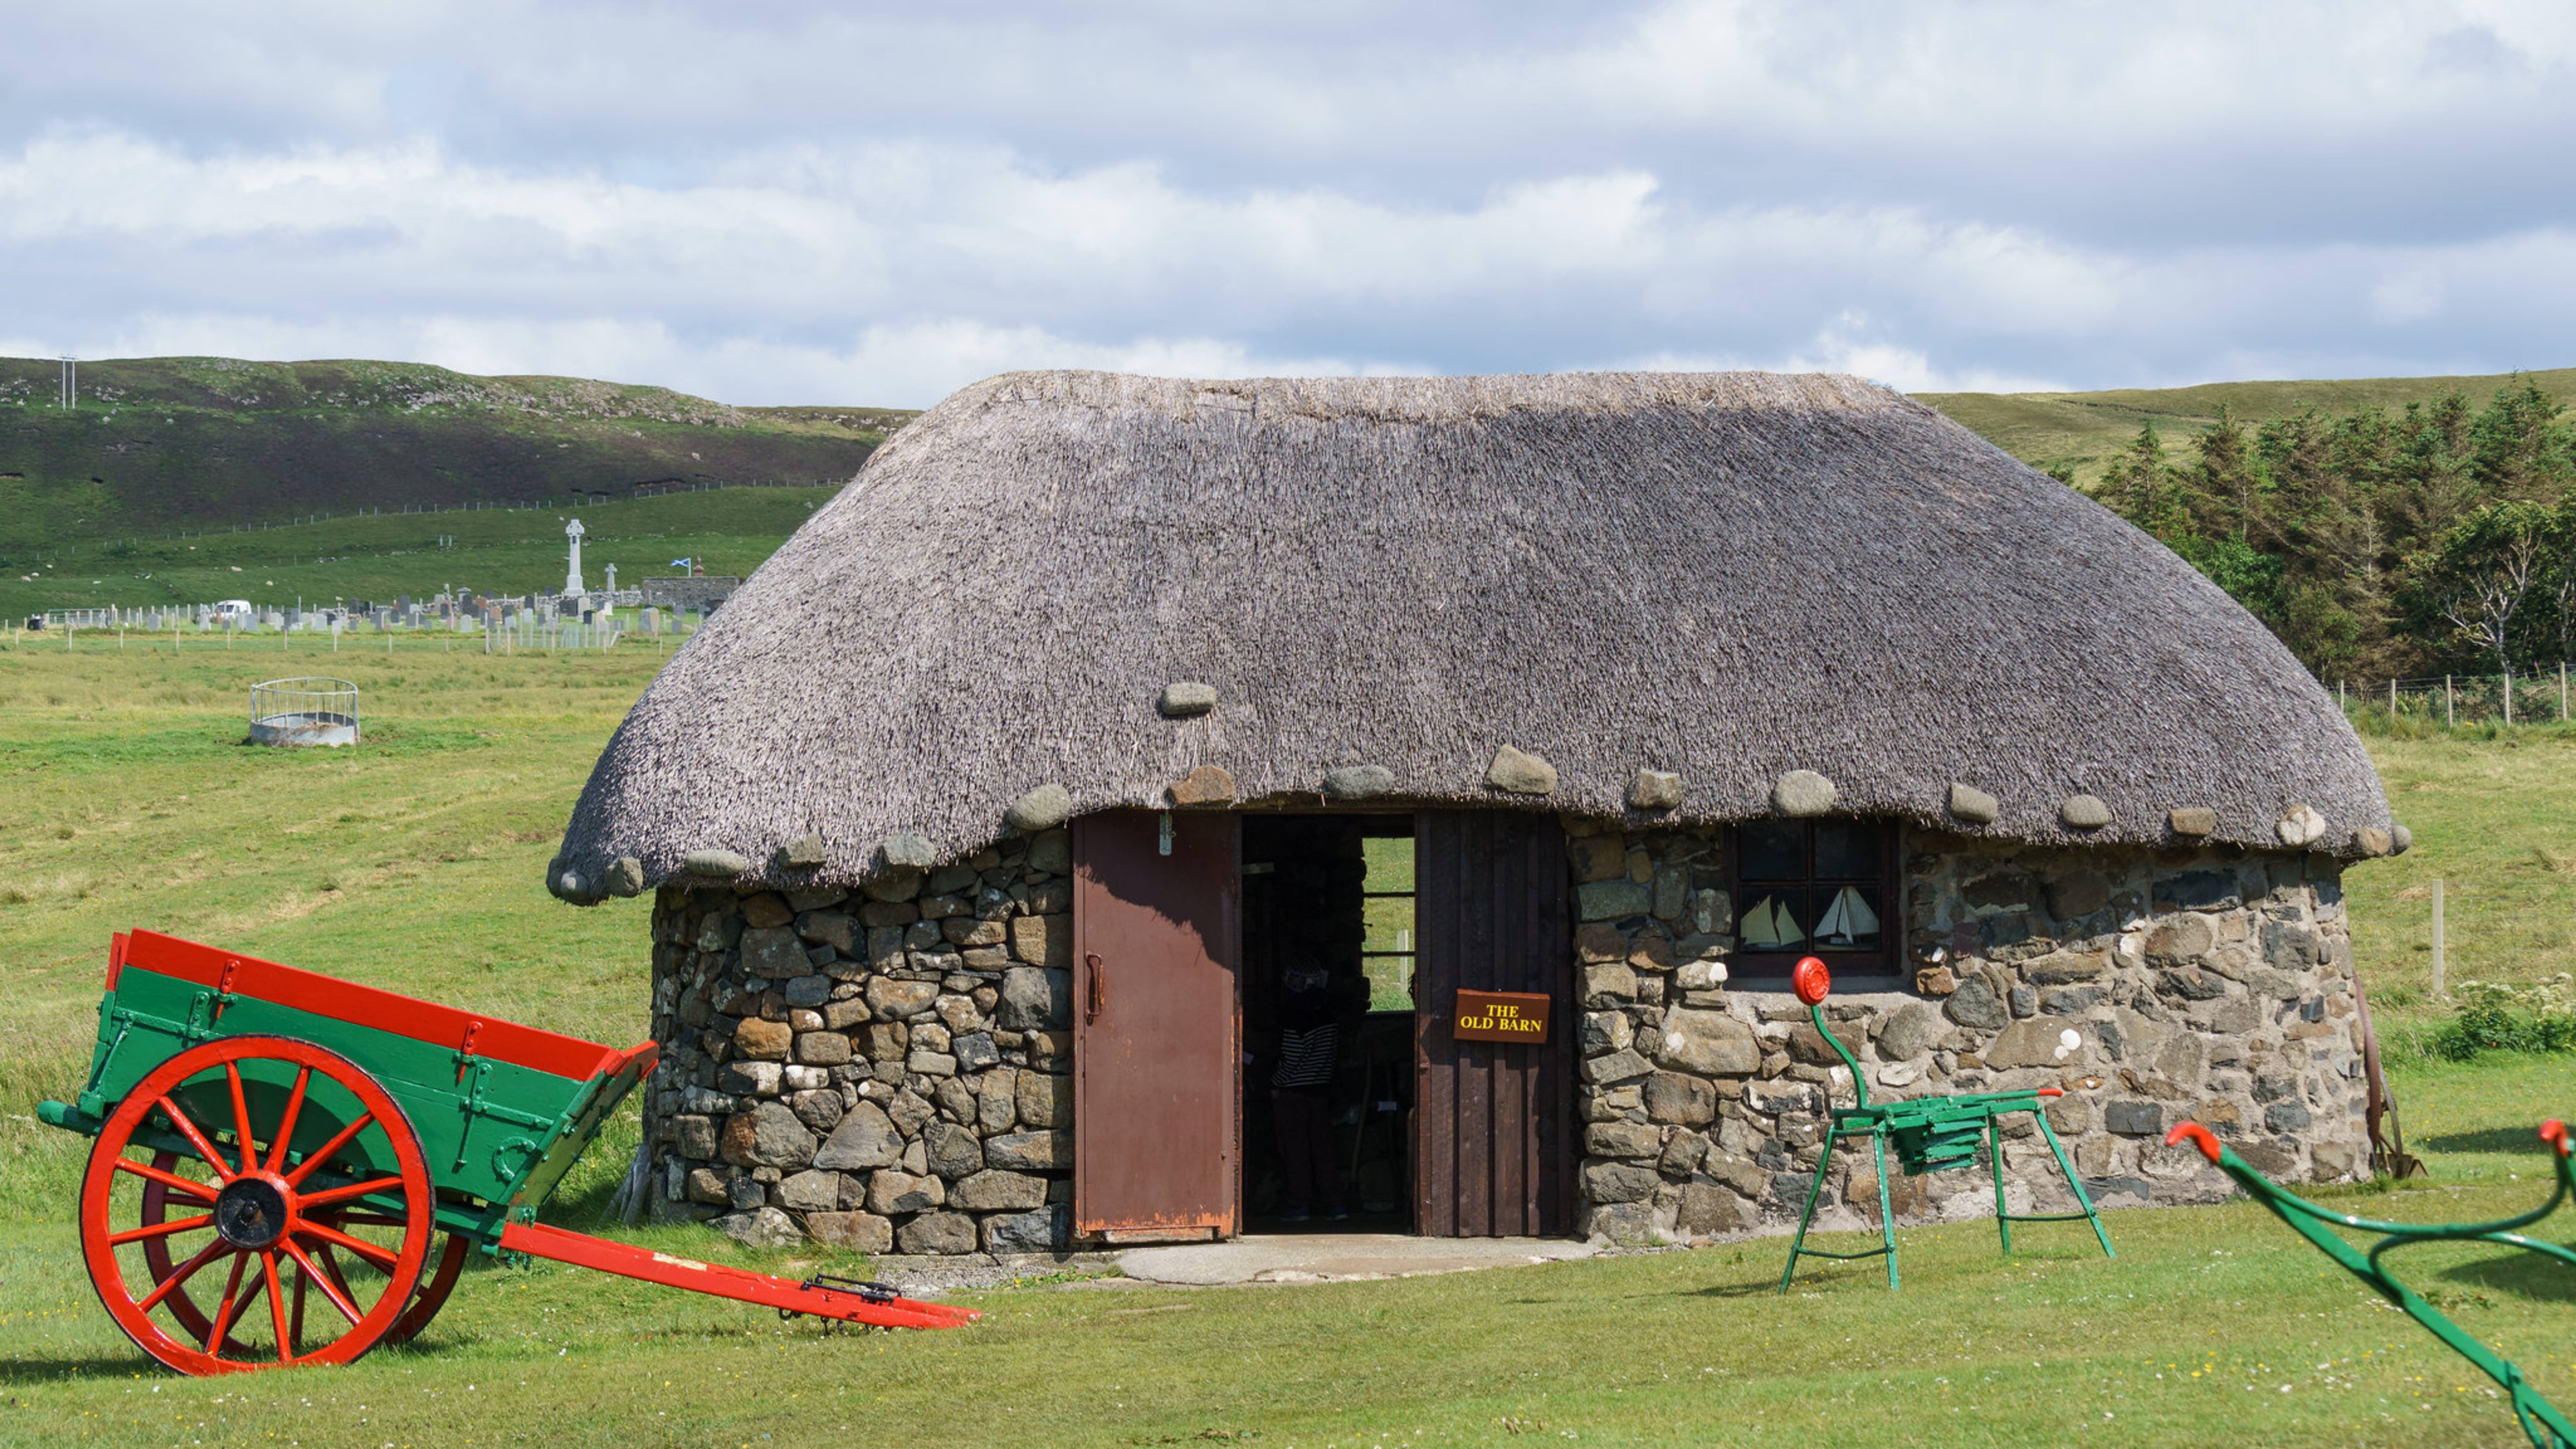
235	613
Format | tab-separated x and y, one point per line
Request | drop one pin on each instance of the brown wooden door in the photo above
1493	1121
1156	1034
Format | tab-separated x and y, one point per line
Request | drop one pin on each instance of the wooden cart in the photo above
292	1169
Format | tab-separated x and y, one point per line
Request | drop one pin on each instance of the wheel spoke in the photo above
183	1273
331	1267
295	1320
286	1122
170	1180
368	1220
348	1309
277	1308
331	1195
161	1230
205	1149
381	1257
232	1303
241	1117
323	1153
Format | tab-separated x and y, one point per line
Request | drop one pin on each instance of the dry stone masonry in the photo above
2151	985
882	1069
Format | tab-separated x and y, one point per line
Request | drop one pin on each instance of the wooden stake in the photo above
2441	969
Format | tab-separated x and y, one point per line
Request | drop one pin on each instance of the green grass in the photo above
198	442
379	556
414	862
2083	431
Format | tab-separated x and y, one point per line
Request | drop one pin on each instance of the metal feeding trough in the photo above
304	712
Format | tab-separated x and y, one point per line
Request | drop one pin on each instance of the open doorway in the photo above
1328	1022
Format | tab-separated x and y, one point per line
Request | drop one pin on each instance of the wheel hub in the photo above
250	1213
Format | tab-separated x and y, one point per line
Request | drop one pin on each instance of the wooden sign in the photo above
1518	1016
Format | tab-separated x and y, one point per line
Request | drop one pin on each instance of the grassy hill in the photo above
132	498
2081	431
173	443
377	556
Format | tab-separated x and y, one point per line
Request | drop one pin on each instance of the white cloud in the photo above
775	202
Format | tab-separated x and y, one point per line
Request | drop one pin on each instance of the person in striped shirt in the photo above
1301	1088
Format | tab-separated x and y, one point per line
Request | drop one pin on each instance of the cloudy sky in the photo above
771	202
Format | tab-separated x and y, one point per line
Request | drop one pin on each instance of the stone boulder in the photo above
1908	1032
894	1000
997	1191
1708	1043
1036	1151
2047	1041
1041	1231
1680	1098
851	1232
776	952
865	1139
1034	999
937	1233
768	1135
764	1227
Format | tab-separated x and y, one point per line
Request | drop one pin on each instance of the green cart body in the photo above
502	1111
364	1107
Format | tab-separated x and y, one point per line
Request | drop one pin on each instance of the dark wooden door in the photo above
1493	1121
1156	1034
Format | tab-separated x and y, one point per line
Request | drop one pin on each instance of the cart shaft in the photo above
539	1240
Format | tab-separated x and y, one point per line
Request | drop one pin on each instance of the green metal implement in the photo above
2546	1427
1930	1134
291	1169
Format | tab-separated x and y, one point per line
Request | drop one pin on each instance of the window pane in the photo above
1772	850
1387	952
1846	850
1847	919
1776	921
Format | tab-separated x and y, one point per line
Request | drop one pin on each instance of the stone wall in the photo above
881	1069
2151	986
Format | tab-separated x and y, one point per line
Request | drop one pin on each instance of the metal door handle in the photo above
1096	990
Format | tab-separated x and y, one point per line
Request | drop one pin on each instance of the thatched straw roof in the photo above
1725	576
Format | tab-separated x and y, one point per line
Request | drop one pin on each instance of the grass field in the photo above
378	556
414	861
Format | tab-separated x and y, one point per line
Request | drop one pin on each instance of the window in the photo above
1386	954
1814	887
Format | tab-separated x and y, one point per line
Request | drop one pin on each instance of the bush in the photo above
2495	1016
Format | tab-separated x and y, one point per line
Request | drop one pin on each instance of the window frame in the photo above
1758	970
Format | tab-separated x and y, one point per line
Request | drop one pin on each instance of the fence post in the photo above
2562	691
2392	696
2450	714
2441	988
2339	699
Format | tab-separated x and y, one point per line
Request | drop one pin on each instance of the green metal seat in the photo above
1930	1134
2541	1422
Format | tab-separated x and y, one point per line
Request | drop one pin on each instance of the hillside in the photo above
163	444
2081	432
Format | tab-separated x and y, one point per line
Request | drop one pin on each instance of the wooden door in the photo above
1156	1035
1493	1121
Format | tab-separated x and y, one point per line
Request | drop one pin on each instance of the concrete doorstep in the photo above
1335	1258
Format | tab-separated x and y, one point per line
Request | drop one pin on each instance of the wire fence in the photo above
2535	697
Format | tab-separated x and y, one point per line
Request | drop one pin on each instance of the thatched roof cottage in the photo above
990	816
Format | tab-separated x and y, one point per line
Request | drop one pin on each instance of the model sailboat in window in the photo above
1848	919
1770	927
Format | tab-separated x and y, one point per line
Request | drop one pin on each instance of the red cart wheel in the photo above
436	1281
302	1182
